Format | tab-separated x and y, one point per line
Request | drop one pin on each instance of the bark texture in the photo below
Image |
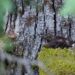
30	22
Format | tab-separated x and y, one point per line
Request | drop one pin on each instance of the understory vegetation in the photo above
59	61
6	44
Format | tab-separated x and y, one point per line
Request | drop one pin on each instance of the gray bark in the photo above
31	21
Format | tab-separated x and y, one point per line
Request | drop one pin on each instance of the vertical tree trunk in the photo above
29	22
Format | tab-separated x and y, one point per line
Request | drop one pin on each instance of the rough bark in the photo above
31	21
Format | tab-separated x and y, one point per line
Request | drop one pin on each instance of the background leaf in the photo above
68	8
5	6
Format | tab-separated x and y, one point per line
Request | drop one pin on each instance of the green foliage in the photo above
5	6
2	70
1	28
8	45
27	2
59	61
68	8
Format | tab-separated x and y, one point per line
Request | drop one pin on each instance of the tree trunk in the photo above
30	22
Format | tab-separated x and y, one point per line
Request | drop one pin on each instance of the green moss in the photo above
27	2
59	61
7	43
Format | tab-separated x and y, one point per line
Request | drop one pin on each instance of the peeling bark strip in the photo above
23	7
44	16
55	25
70	27
36	19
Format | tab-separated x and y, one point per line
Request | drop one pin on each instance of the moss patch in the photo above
7	44
59	61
